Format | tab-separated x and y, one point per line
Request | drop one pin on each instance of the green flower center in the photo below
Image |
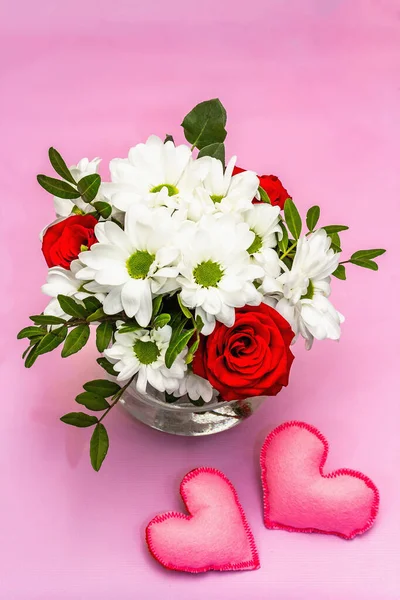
172	190
139	264
146	352
256	245
216	199
208	274
310	292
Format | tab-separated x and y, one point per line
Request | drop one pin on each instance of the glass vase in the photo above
184	418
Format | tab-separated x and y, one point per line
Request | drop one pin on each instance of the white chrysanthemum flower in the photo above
269	261
314	317
263	221
63	206
313	262
220	192
195	387
143	352
306	287
135	263
216	271
162	174
64	281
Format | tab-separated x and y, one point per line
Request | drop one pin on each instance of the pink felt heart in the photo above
299	497
216	535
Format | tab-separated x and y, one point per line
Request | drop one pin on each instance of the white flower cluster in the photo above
189	226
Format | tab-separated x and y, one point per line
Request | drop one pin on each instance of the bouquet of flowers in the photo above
197	275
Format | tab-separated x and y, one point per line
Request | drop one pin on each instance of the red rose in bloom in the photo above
252	358
272	186
62	242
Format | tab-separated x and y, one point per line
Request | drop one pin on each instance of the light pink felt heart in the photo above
299	497
216	535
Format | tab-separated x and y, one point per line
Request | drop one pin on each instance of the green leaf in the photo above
216	150
88	187
170	398
169	138
103	335
91	401
31	358
283	243
191	351
96	316
335	241
103	208
292	218
205	124
107	366
102	387
91	304
366	264
367	254
76	340
99	445
177	344
312	218
59	166
288	262
25	352
183	308
199	402
129	328
79	419
334	228
47	320
263	195
51	340
340	272
161	321
199	323
31	333
156	306
58	188
177	323
71	307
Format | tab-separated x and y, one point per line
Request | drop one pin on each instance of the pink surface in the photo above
299	496
215	535
312	92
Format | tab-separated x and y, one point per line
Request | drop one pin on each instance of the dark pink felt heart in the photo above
299	497
216	535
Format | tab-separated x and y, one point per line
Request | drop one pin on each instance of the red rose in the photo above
252	358
272	186
63	241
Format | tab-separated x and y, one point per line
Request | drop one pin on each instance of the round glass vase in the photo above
184	418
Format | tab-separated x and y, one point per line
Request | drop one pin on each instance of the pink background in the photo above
312	91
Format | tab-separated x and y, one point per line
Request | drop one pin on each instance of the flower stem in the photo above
214	412
115	398
75	322
288	251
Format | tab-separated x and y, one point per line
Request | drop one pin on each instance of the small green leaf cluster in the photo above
204	128
49	332
292	224
185	328
68	188
94	398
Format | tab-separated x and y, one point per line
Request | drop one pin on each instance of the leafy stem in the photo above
288	251
105	319
116	397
